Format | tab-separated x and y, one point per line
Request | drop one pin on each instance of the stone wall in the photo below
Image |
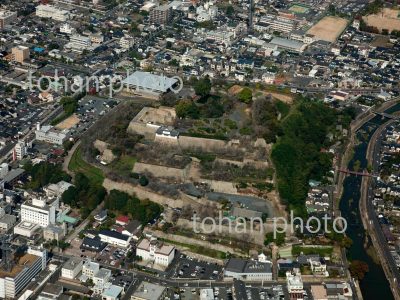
161	171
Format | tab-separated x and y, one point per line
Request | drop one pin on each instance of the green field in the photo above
78	164
199	249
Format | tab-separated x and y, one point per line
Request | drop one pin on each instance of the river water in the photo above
374	285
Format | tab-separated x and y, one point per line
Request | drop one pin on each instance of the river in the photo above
374	285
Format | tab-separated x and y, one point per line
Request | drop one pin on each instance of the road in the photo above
370	217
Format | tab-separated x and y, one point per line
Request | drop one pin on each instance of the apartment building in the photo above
161	15
6	17
20	54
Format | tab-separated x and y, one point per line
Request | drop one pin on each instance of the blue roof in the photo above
38	49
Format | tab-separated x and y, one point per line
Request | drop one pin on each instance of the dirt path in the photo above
68	159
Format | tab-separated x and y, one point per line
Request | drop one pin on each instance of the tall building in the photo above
161	14
20	53
6	17
40	211
26	267
20	150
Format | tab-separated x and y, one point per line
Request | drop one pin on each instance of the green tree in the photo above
186	108
143	181
245	95
203	87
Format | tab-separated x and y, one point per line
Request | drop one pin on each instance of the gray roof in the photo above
247	266
149	291
149	81
286	43
72	263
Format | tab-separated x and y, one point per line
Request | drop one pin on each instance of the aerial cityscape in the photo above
200	149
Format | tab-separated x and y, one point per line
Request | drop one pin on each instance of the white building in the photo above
155	251
21	274
50	135
115	238
127	42
72	268
6	17
20	150
67	29
52	12
248	270
40	211
295	284
90	269
26	229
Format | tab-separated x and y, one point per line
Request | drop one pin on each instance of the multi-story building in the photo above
26	267
20	150
40	211
4	169
149	291
52	12
161	14
72	268
90	269
155	251
127	42
6	17
20	53
50	135
295	285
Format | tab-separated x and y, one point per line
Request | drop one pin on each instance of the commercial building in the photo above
20	54
52	12
161	14
4	169
112	292
248	270
127	42
26	267
89	269
54	232
7	221
50	135
40	211
148	291
6	17
155	251
72	268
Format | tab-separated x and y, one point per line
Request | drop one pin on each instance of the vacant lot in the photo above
68	122
328	29
386	19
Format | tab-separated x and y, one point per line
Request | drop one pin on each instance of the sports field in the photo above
68	122
386	19
328	29
299	9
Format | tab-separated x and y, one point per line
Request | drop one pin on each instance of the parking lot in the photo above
188	267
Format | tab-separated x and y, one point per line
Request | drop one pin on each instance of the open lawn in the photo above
78	164
328	29
123	165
